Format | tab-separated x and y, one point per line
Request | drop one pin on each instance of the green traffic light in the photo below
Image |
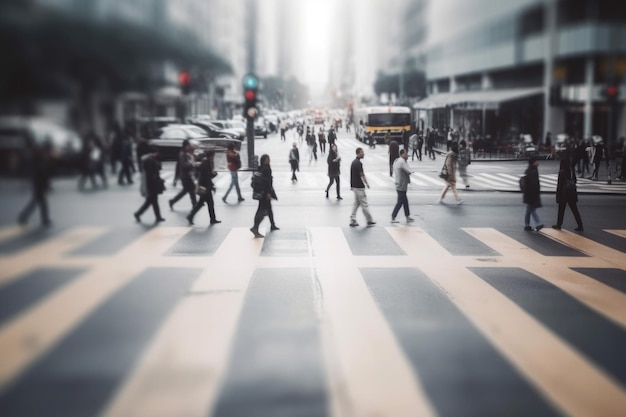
250	81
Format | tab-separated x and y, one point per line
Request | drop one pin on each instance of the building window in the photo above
532	21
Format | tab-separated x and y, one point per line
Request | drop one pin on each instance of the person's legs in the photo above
574	207
195	209
338	187
43	206
355	205
235	179
364	205
399	203
155	206
208	197
230	187
28	210
330	183
533	212
405	203
561	214
444	191
454	191
258	216
527	215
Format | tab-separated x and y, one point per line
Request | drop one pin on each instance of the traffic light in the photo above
184	82
250	91
611	92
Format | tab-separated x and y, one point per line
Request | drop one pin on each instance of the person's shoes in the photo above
339	197
274	227
460	202
539	227
372	223
256	233
326	194
556	227
215	221
171	205
409	219
160	219
354	224
393	220
137	217
440	201
190	220
579	229
240	199
528	229
224	199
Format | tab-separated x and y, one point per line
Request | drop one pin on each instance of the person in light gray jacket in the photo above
403	178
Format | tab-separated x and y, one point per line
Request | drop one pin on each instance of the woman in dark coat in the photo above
265	198
566	194
333	169
532	195
205	180
152	185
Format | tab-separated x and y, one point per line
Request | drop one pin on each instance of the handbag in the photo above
200	190
444	174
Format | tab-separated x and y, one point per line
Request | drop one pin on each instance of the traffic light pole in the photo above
251	50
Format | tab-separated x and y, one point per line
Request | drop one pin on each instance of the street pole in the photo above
251	51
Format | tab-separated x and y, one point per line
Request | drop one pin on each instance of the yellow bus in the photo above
376	121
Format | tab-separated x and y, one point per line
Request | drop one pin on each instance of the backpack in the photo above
257	182
522	183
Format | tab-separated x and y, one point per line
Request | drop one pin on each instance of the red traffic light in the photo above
611	90
184	78
250	95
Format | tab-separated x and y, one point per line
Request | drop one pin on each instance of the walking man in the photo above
532	194
403	178
233	163
152	185
185	167
294	161
358	182
41	165
205	188
264	194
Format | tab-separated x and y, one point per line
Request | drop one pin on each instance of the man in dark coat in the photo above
532	195
205	180
266	195
566	194
41	166
152	185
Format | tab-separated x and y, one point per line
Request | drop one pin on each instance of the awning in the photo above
489	99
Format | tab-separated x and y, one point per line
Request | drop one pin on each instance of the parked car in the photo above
229	126
214	131
18	133
150	127
260	129
170	140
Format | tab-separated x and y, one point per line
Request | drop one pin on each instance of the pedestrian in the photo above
264	194
394	153
40	165
566	194
358	182
532	194
151	185
387	137
143	148
413	145
405	140
186	166
334	173
283	130
598	153
116	140
420	144
403	178
300	131
430	144
465	158
294	161
92	163
205	188
126	158
322	140
332	136
450	165
233	163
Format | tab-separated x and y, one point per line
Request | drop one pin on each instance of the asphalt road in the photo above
460	313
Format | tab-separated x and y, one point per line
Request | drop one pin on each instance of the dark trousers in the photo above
151	200
402	201
574	207
323	146
188	188
265	208
294	168
418	153
207	198
38	199
125	172
335	180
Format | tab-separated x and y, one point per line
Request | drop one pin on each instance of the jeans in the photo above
234	182
530	210
402	201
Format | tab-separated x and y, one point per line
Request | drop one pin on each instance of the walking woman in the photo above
265	195
451	164
294	161
205	188
532	194
566	194
151	185
333	169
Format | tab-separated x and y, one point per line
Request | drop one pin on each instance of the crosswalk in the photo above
380	181
312	321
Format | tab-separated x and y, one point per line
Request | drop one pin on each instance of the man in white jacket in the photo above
402	173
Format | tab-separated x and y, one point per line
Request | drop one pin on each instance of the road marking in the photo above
500	179
8	233
569	380
32	333
181	372
370	375
428	179
12	266
620	233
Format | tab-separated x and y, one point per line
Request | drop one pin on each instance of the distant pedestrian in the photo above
91	164
566	195
465	158
405	140
420	144
205	188
283	130
294	161
233	163
322	140
413	145
451	164
532	194
41	165
186	165
403	178
116	139
598	155
151	185
387	137
265	196
332	136
126	158
334	172
430	144
394	153
358	182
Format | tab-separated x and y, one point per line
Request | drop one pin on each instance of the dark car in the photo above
171	138
151	127
216	131
259	128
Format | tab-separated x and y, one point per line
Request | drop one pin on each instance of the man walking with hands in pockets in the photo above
403	177
358	182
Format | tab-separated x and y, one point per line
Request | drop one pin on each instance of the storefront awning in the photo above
476	99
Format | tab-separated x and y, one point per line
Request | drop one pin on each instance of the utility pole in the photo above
251	18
